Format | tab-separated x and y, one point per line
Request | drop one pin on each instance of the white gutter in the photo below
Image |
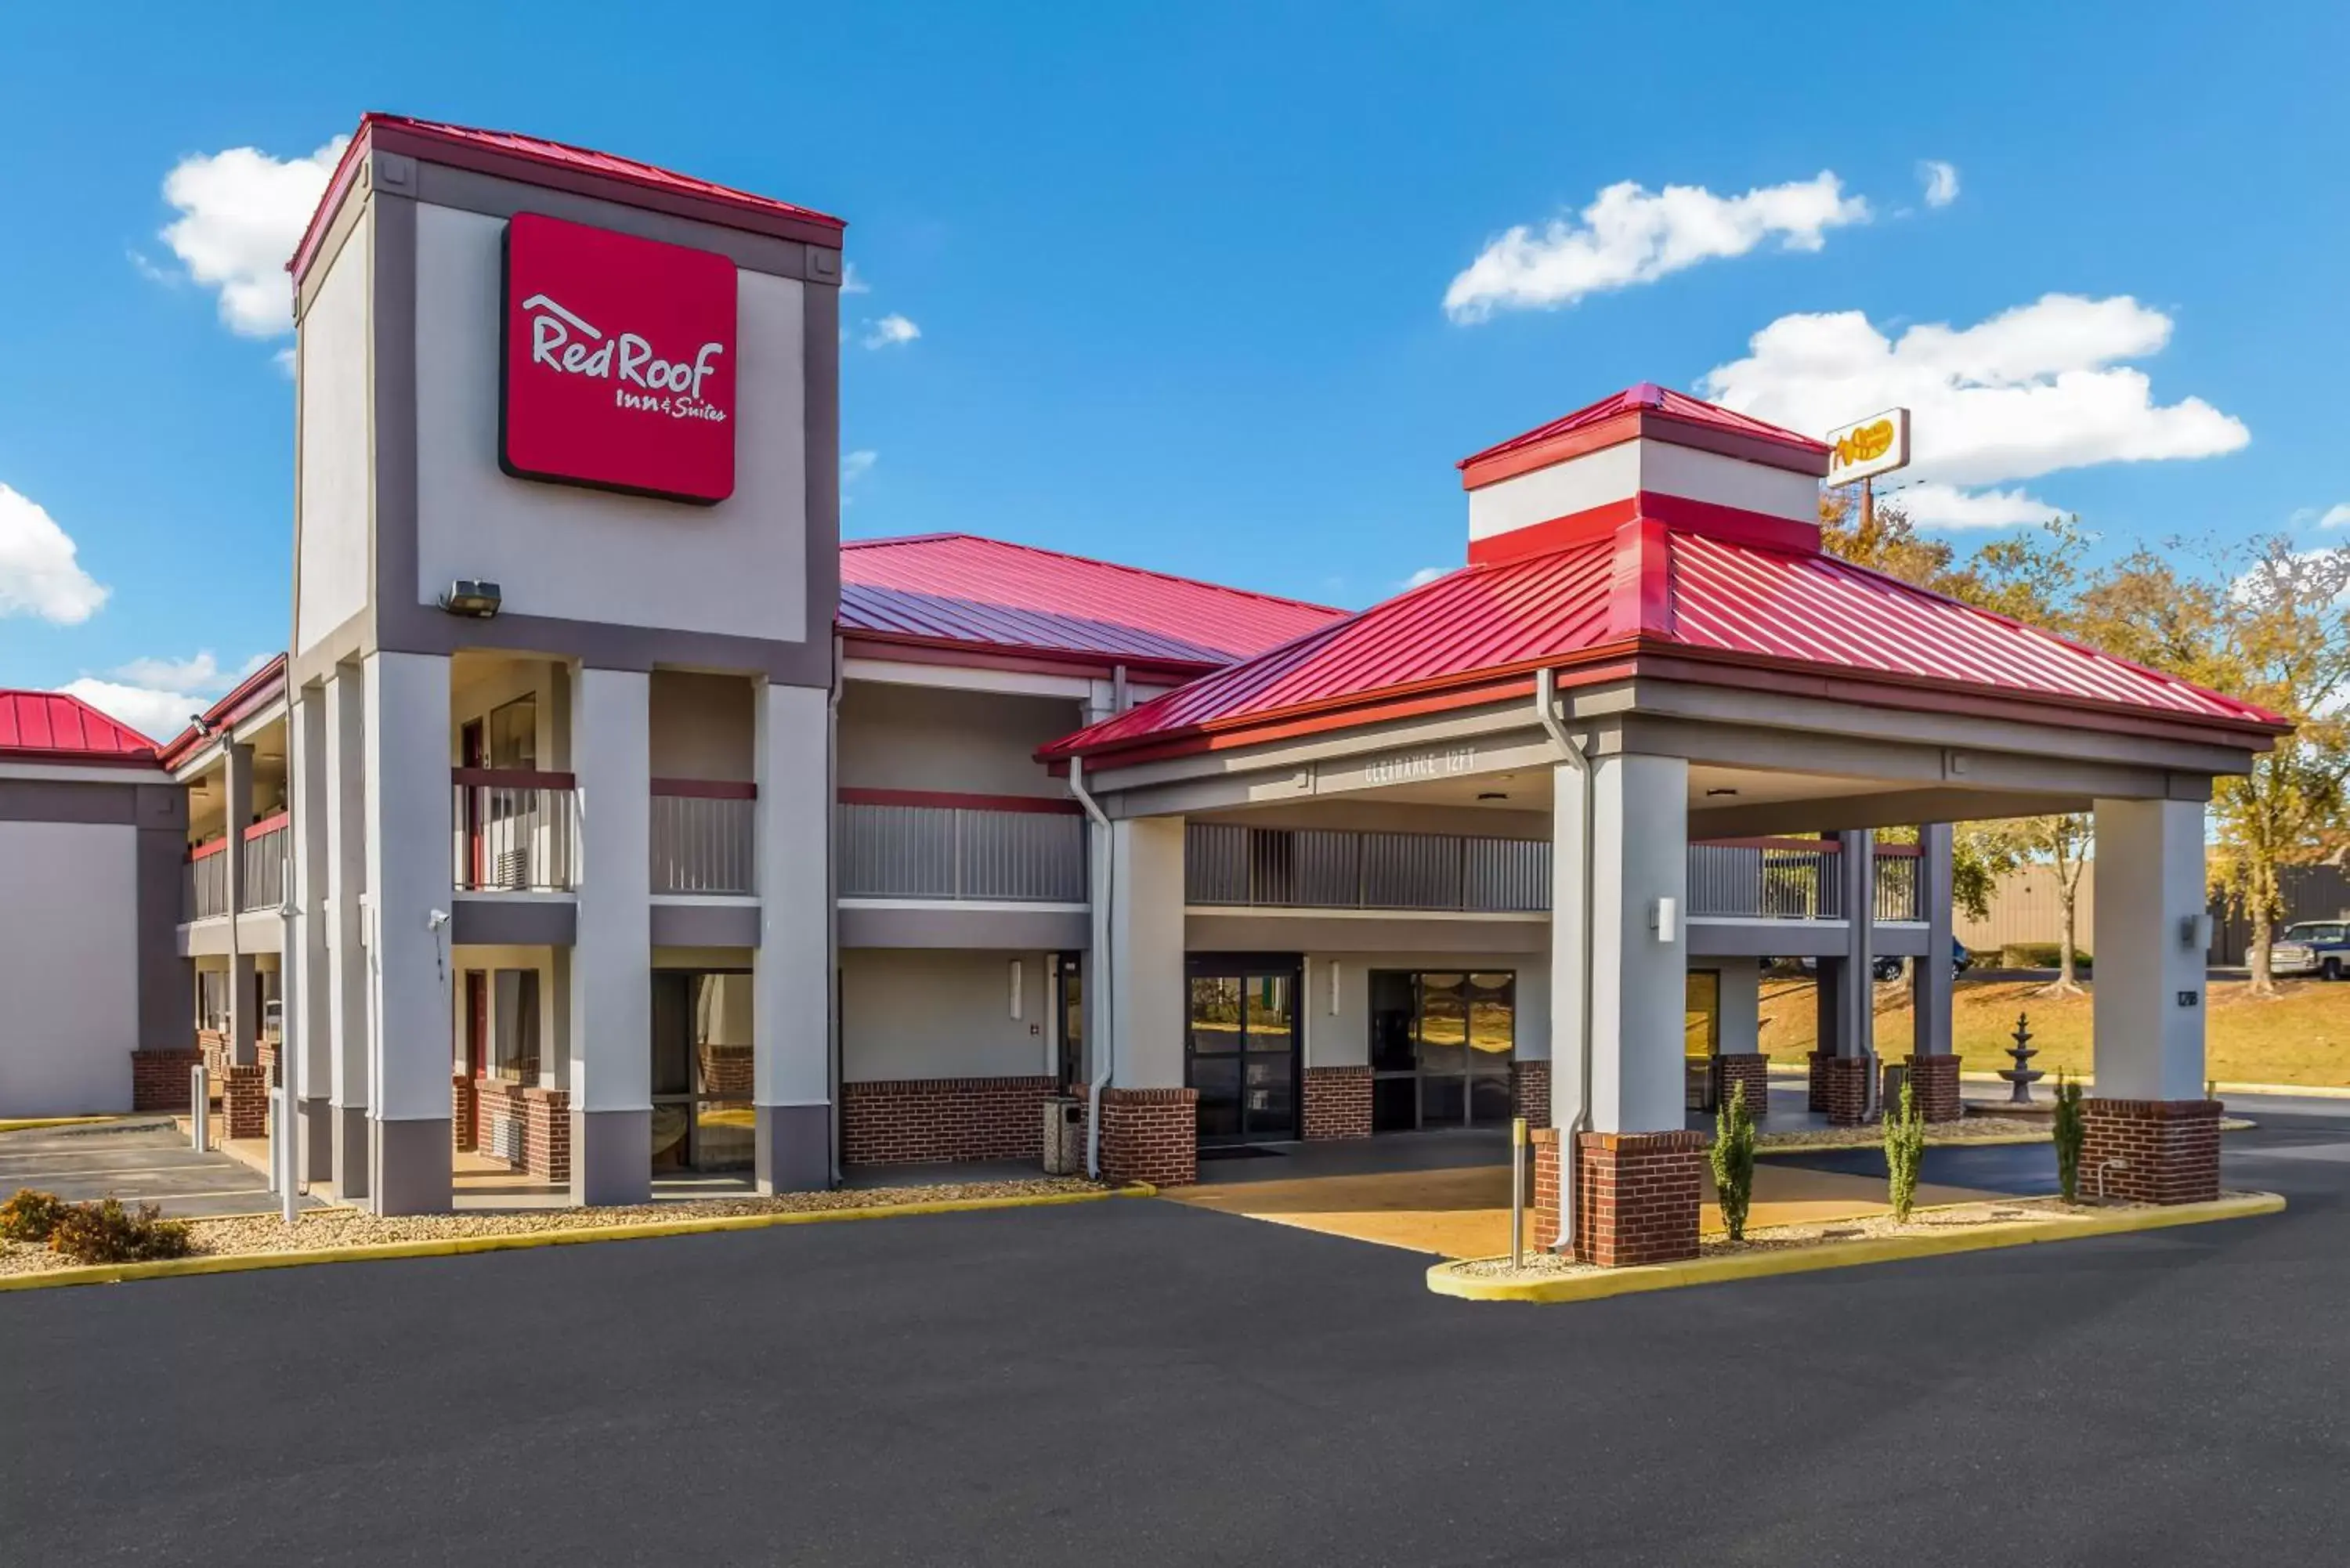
1098	982
1546	710
833	1063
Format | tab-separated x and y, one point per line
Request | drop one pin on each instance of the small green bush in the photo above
106	1233
1905	1147
2070	1131
2041	955
1733	1156
30	1215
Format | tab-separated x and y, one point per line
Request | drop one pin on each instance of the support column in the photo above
244	1007
792	978
2151	1131
306	778
408	833
1933	1059
1149	1118
612	958
342	815
1855	1005
1636	1180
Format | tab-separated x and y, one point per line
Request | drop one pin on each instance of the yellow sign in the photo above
1877	444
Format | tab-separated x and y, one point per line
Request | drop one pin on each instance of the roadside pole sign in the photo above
1866	448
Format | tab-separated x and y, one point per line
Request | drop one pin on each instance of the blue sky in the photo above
1176	278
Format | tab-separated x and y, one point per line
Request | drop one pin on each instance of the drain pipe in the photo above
1098	988
1546	710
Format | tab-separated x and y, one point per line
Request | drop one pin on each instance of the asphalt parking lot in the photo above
142	1160
1147	1383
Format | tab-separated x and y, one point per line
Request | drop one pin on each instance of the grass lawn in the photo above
2303	1036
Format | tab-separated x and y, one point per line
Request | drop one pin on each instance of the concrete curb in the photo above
459	1246
34	1124
1601	1283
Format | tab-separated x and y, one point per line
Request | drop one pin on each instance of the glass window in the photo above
1702	1013
515	1025
1267	1013
1215	1015
212	1001
514	733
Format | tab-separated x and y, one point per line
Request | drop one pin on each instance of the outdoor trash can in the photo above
1065	1136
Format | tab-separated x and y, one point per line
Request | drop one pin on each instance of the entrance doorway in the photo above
1701	1040
703	1116
1441	1045
1241	1047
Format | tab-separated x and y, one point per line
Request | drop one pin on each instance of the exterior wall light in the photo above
1664	918
468	598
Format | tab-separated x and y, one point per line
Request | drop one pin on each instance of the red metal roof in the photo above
256	691
53	727
1649	590
1647	408
960	590
551	155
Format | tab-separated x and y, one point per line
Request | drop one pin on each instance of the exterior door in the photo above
1441	1046
475	754
1241	1047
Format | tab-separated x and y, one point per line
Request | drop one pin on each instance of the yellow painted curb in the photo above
1600	1283
31	1123
457	1246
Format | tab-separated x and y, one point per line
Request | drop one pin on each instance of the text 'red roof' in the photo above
960	590
52	726
1650	588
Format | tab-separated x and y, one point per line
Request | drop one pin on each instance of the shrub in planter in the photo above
2070	1131
30	1215
106	1233
1733	1156
1905	1147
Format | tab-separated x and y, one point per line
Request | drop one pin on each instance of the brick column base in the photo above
1934	1088
1150	1135
159	1079
2169	1150
465	1108
1530	1092
1845	1082
245	1102
1636	1195
1817	1099
1753	1071
1337	1102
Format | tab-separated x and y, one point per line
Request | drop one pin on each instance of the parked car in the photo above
2321	948
1886	968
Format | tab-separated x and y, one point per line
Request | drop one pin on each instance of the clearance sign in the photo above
618	368
1877	444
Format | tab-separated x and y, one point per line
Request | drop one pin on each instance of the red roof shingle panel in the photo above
54	726
1648	398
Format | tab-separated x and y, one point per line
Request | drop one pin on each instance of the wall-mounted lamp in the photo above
1018	971
2194	932
467	597
1664	918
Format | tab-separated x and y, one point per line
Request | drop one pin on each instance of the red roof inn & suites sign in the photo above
619	368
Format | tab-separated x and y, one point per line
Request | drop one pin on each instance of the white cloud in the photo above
1941	181
2030	392
157	696
889	330
855	465
2336	515
850	283
240	215
1630	234
38	573
200	674
1934	505
1424	577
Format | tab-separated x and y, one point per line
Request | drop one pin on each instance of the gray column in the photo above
611	960
305	794
343	822
2151	942
1147	998
792	982
1856	1004
1639	964
237	793
1930	977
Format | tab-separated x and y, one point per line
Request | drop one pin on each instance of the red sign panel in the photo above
618	365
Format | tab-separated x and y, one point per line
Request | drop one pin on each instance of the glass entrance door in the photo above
1240	1048
1441	1045
702	1070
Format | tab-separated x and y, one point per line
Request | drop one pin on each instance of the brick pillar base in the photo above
159	1079
547	1133
1934	1087
463	1105
1337	1102
1753	1071
2169	1150
1845	1082
1817	1100
1150	1135
1530	1092
1545	1199
245	1102
1636	1197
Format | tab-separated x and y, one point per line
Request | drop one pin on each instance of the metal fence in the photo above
1765	882
262	867
204	885
704	843
960	852
1898	886
1283	867
514	837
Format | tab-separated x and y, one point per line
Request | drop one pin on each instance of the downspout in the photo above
832	899
1546	710
1098	986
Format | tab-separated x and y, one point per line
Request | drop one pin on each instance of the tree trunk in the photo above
2257	958
2068	971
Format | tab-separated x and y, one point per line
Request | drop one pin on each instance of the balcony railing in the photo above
204	885
1765	879
263	870
516	832
703	837
912	844
1324	868
1900	875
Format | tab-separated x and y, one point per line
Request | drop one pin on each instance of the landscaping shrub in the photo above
30	1215
1734	1160
2071	1130
106	1233
2040	955
1905	1146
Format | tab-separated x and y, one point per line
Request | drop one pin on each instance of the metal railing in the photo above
1323	869
516	832
1791	880
704	837
1898	879
263	864
890	850
204	881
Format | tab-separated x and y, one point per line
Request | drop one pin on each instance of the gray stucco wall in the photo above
909	1014
921	737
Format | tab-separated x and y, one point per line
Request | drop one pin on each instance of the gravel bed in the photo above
1973	1129
336	1227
